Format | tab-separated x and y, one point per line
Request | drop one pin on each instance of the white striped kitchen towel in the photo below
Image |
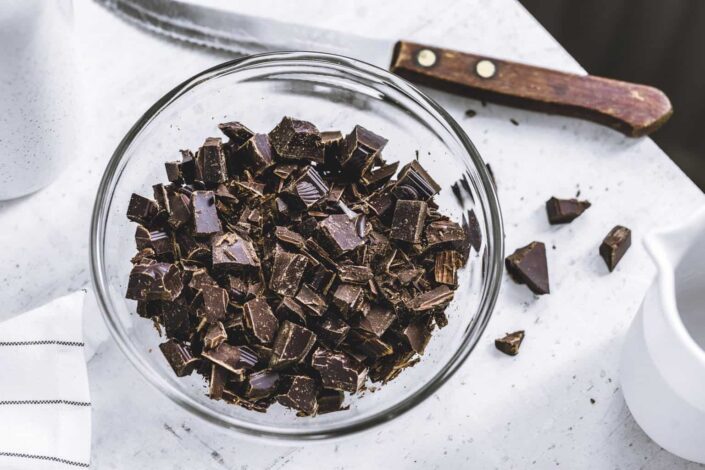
45	408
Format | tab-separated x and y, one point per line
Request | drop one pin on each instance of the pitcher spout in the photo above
668	246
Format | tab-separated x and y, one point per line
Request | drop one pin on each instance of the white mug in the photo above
663	361
36	93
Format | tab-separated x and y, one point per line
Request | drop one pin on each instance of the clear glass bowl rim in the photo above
487	199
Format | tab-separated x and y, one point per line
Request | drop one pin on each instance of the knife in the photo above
630	108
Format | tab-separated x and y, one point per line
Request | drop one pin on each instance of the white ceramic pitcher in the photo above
663	361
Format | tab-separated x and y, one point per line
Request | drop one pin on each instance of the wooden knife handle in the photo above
632	109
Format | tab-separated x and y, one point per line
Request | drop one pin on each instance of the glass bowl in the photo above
334	93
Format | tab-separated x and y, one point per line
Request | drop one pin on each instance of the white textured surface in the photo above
532	411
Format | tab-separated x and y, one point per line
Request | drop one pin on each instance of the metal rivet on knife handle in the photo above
485	68
426	58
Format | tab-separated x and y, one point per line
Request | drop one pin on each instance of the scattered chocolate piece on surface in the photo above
563	211
288	267
615	245
510	343
528	266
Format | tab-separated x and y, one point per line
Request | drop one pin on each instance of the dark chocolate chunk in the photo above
312	303
217	381
179	210
417	334
175	318
142	210
377	320
236	359
142	238
179	357
381	203
205	214
215	336
290	309
215	303
261	384
355	274
299	393
563	211
210	162
260	321
231	252
438	297
361	148
444	233
297	140
339	234
615	245
285	235
330	401
161	243
256	154
446	267
338	370
332	331
510	343
292	344
307	189
473	234
237	132
528	266
156	281
408	222
414	182
369	344
322	279
376	178
346	298
287	272
332	142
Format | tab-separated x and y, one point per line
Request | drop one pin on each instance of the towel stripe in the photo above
44	457
42	342
45	402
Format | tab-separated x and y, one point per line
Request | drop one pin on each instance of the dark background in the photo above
656	42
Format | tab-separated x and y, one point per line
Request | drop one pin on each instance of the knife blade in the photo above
632	109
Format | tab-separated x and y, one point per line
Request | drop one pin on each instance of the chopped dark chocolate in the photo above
205	214
231	252
528	266
339	234
215	303
236	359
415	183
179	357
210	162
297	140
256	154
510	343
261	384
300	394
260	321
287	272
338	370
361	147
156	281
330	401
307	189
563	211
312	303
355	274
408	222
615	245
142	210
438	297
292	344
286	266
237	132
